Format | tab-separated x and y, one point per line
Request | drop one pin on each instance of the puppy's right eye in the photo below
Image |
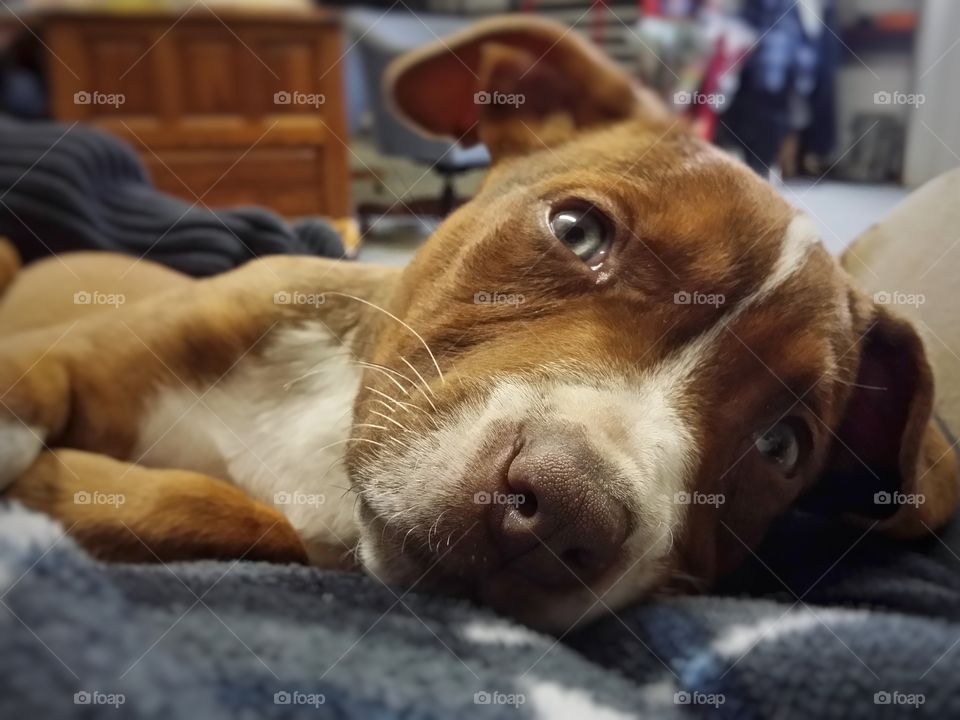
585	231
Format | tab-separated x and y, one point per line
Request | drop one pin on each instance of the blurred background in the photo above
843	104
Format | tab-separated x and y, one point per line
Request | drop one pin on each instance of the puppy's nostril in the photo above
527	504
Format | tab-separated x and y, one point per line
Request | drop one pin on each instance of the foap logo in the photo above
684	697
495	697
898	498
298	298
698	498
685	297
83	497
85	97
884	97
299	498
295	97
885	297
498	498
95	697
895	697
296	697
685	98
82	297
498	98
485	297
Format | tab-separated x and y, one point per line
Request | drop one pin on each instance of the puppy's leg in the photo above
129	513
84	384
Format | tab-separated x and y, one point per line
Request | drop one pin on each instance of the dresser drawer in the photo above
288	180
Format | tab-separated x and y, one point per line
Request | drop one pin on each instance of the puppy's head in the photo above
623	359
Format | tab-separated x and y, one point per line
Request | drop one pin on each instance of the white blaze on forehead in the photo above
799	239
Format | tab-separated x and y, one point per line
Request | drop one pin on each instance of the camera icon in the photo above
282	498
481	698
881	698
481	498
82	97
682	497
81	497
682	97
282	97
82	297
282	298
681	298
281	697
81	698
882	97
681	697
482	97
882	298
882	498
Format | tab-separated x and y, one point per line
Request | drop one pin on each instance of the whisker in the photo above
402	444
383	394
404	543
405	405
388	374
390	314
417	387
436	524
389	419
346	440
389	407
417	373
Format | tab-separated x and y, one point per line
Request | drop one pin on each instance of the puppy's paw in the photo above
34	402
20	444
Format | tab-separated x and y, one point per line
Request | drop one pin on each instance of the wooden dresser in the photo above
225	109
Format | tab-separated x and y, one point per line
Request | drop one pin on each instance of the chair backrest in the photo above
375	39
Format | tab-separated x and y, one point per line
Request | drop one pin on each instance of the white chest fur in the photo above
275	426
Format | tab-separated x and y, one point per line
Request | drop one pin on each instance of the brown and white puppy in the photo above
615	366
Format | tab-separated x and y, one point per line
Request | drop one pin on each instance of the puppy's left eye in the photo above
585	230
782	445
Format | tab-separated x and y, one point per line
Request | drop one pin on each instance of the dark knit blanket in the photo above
65	188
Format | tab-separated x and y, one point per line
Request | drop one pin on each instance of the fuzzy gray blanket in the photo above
828	624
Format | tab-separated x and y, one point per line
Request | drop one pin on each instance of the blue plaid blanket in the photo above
825	622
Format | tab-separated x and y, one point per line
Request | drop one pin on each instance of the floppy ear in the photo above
515	83
889	459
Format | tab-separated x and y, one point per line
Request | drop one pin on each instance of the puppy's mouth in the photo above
462	569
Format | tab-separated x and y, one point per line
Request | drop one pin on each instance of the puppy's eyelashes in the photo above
785	444
584	230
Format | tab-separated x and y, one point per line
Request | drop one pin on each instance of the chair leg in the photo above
448	199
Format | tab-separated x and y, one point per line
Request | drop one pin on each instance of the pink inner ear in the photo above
879	408
517	72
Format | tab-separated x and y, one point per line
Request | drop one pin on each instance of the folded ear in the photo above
889	460
515	83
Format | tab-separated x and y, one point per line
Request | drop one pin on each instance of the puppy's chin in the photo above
552	610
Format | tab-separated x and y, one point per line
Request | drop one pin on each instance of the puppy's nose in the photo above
562	524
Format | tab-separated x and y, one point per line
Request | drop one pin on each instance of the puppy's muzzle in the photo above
559	525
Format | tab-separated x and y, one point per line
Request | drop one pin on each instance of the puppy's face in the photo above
617	364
